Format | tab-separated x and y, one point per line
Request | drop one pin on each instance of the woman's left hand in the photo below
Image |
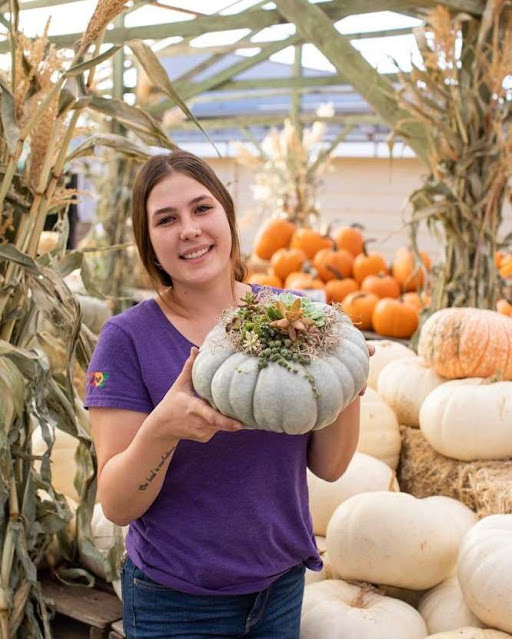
371	351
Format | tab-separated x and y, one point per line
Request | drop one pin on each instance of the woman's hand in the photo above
182	415
371	351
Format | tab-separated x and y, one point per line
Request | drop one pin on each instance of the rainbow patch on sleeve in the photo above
97	379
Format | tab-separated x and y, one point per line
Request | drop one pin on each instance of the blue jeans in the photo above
154	611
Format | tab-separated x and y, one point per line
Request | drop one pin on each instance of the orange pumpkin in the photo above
467	342
368	264
498	257
286	261
407	271
416	300
332	264
359	307
504	307
383	285
393	318
506	266
273	235
265	279
337	290
349	238
303	281
310	241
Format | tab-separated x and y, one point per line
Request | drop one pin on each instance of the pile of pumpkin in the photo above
400	567
385	299
396	566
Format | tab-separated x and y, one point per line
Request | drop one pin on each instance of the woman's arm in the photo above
134	449
330	449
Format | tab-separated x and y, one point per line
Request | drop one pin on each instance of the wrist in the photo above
158	429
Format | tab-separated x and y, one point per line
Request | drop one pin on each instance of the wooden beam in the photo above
42	4
315	27
273	120
180	48
251	19
296	97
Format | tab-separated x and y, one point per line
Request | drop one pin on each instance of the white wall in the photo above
371	191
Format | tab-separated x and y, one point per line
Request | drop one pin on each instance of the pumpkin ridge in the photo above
483	349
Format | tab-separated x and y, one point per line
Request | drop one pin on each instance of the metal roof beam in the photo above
271	120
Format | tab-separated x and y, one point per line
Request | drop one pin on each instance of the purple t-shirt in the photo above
233	514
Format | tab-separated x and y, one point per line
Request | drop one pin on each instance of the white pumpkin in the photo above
385	351
469	419
95	312
364	474
470	633
273	398
485	571
460	515
62	460
334	609
103	538
379	432
444	608
404	384
393	538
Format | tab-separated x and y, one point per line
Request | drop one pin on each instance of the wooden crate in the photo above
93	607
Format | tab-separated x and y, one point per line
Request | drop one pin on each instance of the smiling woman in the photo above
176	469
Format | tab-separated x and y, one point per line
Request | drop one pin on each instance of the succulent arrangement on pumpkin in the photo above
265	361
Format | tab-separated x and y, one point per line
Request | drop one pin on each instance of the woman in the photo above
220	531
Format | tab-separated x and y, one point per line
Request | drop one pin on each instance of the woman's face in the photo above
189	230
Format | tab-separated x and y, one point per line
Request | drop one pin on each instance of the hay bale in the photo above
484	486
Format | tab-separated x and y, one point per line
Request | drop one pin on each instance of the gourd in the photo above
385	351
363	474
382	285
349	238
264	279
467	342
408	270
368	264
103	534
469	419
62	460
470	633
379	431
335	609
337	290
443	608
394	318
286	261
310	241
393	538
95	312
282	364
404	384
331	264
485	570
273	235
359	307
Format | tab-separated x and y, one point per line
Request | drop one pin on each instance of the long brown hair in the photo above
154	171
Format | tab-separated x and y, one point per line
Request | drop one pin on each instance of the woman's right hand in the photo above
182	415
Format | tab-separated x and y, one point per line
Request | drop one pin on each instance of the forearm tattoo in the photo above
156	470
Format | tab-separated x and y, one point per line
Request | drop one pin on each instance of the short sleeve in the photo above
114	376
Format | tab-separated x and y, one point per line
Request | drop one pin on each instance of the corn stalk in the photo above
41	104
288	166
459	94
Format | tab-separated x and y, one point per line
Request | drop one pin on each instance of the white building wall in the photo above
370	191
